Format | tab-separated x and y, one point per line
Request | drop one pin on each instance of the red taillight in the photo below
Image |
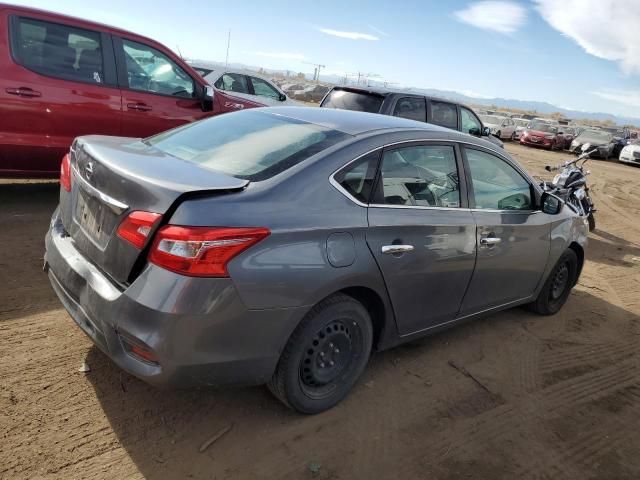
65	173
136	228
202	251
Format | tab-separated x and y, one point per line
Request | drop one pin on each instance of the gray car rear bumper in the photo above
201	336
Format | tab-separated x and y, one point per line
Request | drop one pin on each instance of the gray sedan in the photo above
284	245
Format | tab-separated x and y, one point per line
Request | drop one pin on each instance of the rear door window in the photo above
420	176
413	108
352	100
233	82
58	50
444	114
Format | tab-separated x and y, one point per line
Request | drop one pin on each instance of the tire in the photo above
336	331
513	137
499	134
592	222
558	285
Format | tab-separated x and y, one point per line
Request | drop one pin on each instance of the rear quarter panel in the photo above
291	267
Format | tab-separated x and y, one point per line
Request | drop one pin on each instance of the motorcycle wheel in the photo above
592	222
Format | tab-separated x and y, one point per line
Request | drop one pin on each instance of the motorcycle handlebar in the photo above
582	156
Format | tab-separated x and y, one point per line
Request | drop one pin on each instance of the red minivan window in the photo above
58	50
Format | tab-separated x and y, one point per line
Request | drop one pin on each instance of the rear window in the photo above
250	145
347	100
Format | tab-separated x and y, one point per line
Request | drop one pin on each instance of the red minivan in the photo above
61	77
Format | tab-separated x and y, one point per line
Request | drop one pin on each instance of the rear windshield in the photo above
250	145
347	100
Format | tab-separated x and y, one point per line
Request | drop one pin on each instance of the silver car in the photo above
284	245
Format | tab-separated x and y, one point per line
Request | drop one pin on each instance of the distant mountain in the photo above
544	108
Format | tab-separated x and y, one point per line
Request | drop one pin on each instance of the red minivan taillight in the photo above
65	173
202	251
136	227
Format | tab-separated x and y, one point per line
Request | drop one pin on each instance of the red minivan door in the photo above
57	81
158	93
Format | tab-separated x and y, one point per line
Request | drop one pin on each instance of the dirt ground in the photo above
553	397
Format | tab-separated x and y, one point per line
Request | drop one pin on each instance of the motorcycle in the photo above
571	185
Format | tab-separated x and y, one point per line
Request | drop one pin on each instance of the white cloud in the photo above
604	28
349	35
497	15
629	98
377	30
282	55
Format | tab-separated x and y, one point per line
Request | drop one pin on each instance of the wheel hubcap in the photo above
327	355
559	282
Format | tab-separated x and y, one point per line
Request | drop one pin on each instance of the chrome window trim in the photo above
419	207
344	192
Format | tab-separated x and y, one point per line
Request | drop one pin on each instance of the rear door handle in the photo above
490	241
141	107
23	92
397	248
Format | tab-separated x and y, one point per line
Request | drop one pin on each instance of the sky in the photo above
577	54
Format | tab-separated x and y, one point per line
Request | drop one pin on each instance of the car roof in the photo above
385	92
360	123
349	121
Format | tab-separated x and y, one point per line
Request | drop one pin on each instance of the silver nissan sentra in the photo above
284	245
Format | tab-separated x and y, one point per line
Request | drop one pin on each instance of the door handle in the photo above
141	107
397	248
23	92
490	241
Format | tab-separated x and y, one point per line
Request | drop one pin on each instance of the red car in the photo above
61	77
541	134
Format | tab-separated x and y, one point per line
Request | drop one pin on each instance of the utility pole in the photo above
226	62
316	71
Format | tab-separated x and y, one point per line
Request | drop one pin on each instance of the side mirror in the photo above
207	98
282	97
551	205
486	132
208	93
474	131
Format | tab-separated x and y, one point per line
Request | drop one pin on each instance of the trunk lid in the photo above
113	176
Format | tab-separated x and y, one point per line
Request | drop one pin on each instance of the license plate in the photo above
90	216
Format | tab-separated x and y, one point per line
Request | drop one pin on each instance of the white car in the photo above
501	127
630	154
521	126
247	85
